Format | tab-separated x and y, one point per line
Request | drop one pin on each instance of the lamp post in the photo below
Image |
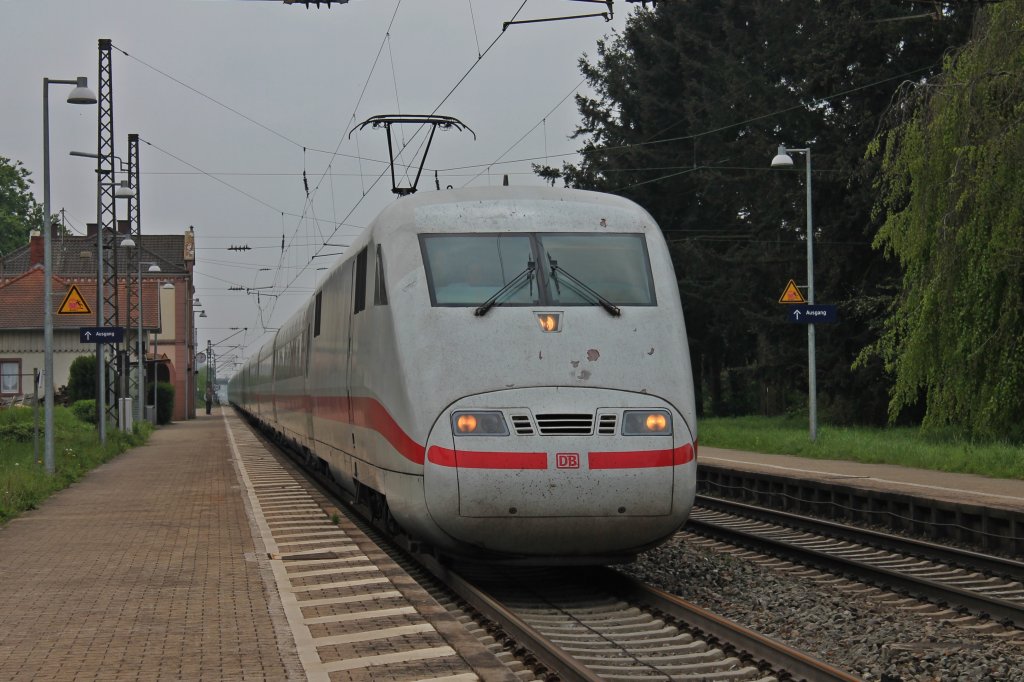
784	160
81	94
129	243
156	376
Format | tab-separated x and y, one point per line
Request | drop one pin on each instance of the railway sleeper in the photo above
599	649
571	627
722	669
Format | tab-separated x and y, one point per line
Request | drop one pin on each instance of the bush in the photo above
19	432
164	402
82	383
85	409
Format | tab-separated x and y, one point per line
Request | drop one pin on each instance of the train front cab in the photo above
602	482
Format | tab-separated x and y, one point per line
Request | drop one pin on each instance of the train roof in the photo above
502	207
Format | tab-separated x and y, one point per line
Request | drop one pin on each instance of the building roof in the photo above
76	256
21	301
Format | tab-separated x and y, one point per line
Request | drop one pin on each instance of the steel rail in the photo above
999	609
560	665
546	652
781	657
985	563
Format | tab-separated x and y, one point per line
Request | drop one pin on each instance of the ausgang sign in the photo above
101	334
812	314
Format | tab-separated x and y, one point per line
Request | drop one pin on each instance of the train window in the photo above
466	270
360	293
380	292
316	314
616	266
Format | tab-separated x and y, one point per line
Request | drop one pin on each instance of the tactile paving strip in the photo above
349	620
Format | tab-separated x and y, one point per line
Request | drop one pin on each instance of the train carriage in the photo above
504	369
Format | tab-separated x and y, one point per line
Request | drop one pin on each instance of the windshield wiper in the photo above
613	310
490	303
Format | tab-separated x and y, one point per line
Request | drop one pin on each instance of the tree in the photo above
952	193
19	212
690	102
82	380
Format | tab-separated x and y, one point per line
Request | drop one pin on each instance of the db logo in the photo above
567	460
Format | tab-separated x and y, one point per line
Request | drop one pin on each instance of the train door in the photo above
358	398
327	379
343	306
307	391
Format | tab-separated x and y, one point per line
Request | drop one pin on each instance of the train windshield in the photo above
466	270
615	266
569	269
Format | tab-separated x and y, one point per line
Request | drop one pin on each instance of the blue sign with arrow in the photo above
101	334
812	314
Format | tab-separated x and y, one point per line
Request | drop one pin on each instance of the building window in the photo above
10	377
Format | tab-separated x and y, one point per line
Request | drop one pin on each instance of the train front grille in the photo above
565	424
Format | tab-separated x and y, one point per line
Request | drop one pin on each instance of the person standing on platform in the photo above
209	398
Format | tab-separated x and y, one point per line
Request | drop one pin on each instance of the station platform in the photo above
939	485
987	513
201	556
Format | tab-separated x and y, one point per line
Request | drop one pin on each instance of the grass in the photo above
904	446
24	483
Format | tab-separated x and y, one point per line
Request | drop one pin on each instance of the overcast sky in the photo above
303	77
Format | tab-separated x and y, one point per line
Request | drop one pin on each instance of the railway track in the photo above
589	624
597	624
986	586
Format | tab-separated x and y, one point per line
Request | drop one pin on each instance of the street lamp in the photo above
129	243
81	94
169	286
784	160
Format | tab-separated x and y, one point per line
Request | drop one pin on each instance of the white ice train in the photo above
503	371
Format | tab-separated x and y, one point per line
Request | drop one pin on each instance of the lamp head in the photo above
124	191
82	94
128	242
782	159
155	268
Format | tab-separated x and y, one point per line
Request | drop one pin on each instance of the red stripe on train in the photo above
370	413
471	459
640	459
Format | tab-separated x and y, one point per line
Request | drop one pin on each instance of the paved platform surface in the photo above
145	569
204	556
939	485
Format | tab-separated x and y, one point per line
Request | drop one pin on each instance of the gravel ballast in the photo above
864	636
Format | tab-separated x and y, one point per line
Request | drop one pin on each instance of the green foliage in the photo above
952	193
17	431
910	447
82	383
84	410
689	104
23	481
164	402
19	212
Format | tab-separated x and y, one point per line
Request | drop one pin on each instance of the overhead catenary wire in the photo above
309	212
434	111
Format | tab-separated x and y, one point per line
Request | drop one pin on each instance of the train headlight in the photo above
549	322
646	423
479	423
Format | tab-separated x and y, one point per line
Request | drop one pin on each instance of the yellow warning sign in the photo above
74	304
791	294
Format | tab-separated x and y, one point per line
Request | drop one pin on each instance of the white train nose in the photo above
544	462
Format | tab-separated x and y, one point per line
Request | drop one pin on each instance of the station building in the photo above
168	318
